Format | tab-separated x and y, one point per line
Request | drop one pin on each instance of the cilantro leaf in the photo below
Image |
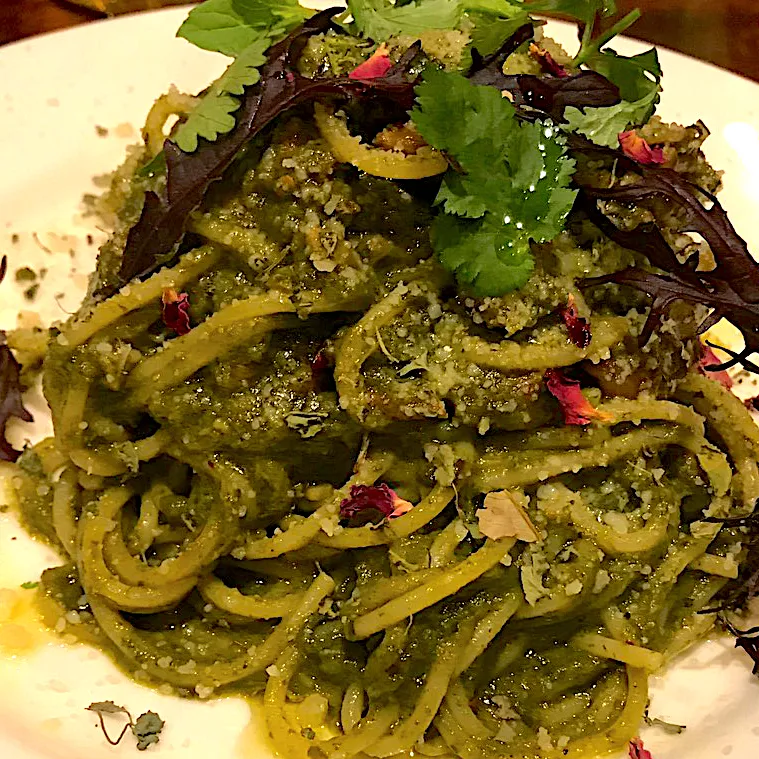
482	255
231	26
29	585
512	177
146	729
379	20
214	115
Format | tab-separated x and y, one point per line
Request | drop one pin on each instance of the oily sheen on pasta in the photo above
200	480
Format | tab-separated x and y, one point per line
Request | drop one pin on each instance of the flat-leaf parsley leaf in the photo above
510	184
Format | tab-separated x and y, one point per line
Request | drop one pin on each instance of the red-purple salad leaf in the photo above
11	403
175	310
730	289
748	640
577	326
577	409
637	750
162	222
372	504
547	62
548	94
635	147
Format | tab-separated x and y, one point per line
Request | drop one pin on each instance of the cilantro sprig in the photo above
510	185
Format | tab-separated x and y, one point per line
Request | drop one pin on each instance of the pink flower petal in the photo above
577	326
175	310
547	62
576	408
709	358
373	503
376	66
635	147
638	751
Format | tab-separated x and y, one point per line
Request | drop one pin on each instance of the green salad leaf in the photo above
635	75
510	185
231	26
214	114
639	80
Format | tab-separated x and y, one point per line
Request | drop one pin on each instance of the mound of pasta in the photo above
423	505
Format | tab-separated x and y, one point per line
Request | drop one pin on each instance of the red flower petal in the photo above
709	358
576	407
547	62
638	751
635	147
175	310
378	65
577	326
373	503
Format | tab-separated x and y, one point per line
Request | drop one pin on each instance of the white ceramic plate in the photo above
54	92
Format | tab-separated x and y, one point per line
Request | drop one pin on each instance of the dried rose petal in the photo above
175	310
547	62
372	503
638	751
376	66
709	358
576	408
577	326
635	147
322	377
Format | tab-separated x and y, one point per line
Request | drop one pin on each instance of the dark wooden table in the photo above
725	32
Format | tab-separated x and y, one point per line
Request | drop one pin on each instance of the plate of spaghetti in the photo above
394	386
